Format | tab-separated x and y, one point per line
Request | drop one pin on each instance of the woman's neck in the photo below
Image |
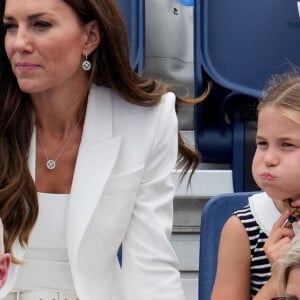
58	112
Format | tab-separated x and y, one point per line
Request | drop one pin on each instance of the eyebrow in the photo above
259	137
281	138
31	17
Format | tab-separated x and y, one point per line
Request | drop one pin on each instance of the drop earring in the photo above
86	65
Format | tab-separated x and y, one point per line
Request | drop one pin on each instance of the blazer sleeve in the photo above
149	263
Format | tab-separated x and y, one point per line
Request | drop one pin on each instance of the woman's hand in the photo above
279	238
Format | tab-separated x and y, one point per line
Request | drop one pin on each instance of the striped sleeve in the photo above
260	266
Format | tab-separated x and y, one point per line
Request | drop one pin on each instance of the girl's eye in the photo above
261	144
287	145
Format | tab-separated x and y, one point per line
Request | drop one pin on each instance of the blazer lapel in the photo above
96	158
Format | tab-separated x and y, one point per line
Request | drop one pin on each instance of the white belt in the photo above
41	295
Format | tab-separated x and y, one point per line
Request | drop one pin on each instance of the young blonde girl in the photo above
256	236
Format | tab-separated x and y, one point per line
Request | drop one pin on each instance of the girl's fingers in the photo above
275	250
281	220
278	231
279	238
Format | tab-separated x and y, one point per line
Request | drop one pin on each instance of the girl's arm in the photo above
234	258
233	270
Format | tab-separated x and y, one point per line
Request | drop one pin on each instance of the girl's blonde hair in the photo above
282	90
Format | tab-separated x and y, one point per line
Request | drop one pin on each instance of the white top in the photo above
46	263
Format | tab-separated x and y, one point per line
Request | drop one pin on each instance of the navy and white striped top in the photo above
260	267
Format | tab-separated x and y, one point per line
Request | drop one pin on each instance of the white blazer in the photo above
122	193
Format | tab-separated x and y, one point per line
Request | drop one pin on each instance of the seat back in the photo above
186	2
214	215
134	13
244	42
238	46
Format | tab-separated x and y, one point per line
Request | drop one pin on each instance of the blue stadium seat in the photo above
244	42
238	46
134	12
186	2
214	215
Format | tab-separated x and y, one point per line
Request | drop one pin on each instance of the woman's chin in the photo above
30	86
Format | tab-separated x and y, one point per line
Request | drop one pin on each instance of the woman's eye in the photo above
9	26
42	24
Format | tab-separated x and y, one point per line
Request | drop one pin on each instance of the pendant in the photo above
50	164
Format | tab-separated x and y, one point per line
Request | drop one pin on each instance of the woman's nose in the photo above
22	40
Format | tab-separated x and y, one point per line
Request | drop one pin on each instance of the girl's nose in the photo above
271	157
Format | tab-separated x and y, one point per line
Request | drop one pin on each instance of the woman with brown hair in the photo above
86	151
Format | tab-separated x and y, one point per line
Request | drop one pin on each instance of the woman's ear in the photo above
93	36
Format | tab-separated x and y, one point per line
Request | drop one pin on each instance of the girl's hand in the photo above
279	238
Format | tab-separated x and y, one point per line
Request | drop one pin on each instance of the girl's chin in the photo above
277	195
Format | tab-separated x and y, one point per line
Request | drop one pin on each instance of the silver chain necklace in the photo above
51	163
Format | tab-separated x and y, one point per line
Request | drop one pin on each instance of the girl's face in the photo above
276	163
44	42
293	288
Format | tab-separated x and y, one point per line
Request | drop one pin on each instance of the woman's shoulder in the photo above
166	106
129	117
167	99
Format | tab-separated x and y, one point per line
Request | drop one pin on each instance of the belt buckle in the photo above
67	296
43	295
39	295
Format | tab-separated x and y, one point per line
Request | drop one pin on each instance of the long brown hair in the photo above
111	68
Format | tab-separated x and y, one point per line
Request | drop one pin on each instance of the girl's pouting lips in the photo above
267	176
